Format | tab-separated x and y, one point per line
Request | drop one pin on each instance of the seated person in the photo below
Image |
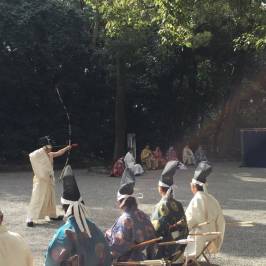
14	251
118	168
168	217
131	228
146	157
188	156
200	155
131	163
78	236
171	154
158	156
203	208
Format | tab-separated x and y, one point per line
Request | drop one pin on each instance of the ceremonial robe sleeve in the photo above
59	245
182	228
28	253
41	165
159	219
219	224
121	237
25	249
145	154
195	213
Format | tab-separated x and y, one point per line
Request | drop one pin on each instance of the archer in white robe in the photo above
43	192
131	163
204	208
14	251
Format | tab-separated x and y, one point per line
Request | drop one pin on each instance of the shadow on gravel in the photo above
244	190
51	225
245	241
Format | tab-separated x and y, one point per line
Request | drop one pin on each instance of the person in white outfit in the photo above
203	214
131	163
14	251
43	202
188	156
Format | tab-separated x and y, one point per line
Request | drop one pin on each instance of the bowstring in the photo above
69	129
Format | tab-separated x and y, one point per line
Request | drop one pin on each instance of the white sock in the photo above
28	220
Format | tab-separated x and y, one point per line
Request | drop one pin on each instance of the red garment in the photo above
158	155
118	168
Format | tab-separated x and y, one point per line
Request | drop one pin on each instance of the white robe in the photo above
43	192
13	249
188	156
130	163
204	207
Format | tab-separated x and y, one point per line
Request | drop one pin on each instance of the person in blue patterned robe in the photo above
78	236
69	241
131	228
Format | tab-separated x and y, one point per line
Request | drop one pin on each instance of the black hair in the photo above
65	207
130	203
198	187
164	189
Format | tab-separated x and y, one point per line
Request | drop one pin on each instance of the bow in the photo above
68	126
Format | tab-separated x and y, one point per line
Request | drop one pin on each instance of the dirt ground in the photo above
241	192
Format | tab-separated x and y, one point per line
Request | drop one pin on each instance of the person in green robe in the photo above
168	217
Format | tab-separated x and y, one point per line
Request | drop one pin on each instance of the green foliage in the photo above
180	60
124	15
41	43
255	40
201	39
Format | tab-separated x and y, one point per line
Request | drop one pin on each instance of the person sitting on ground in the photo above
188	156
171	154
147	158
131	163
158	155
14	251
78	236
168	217
118	168
203	214
131	228
200	155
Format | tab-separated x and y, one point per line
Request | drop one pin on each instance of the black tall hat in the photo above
70	187
127	177
71	196
46	140
166	178
125	190
202	171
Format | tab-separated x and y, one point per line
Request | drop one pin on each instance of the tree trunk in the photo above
96	27
82	4
120	112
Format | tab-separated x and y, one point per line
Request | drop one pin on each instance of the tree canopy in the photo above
156	68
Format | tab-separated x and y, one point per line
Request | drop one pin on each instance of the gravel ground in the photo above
241	192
